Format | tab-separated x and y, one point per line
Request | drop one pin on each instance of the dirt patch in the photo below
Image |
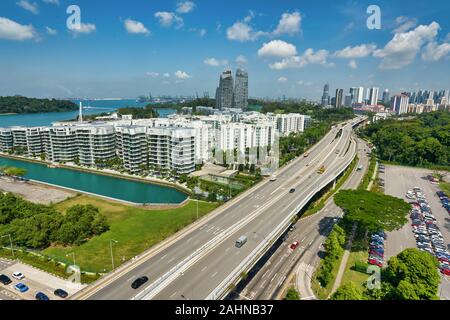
34	192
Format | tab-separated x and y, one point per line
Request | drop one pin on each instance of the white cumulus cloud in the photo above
404	47
277	48
215	62
185	7
167	19
32	7
435	52
283	79
308	57
290	24
356	52
135	27
181	75
11	30
242	31
85	28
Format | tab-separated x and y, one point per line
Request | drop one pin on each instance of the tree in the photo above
292	294
348	291
372	211
14	171
414	275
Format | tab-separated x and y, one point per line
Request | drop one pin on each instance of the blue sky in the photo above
128	48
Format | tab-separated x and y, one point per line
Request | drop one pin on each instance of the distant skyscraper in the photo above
373	96
348	101
386	96
326	95
357	94
241	89
224	93
400	103
339	99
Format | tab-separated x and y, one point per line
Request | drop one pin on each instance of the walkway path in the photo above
340	274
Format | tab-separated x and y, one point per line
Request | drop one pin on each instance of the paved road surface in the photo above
311	232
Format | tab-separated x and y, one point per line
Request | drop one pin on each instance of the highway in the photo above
191	273
311	233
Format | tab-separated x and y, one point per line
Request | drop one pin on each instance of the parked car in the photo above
18	275
445	271
139	282
292	190
376	262
41	296
5	280
376	253
21	287
61	293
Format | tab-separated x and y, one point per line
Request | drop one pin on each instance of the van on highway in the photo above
241	241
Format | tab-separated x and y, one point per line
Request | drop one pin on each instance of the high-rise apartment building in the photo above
400	103
241	90
224	94
386	96
356	94
373	96
339	98
326	95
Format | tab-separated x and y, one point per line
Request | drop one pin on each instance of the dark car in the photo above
376	253
292	190
139	282
42	296
5	279
61	293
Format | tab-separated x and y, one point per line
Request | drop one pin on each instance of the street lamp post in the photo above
10	242
111	249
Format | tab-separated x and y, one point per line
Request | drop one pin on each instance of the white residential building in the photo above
290	123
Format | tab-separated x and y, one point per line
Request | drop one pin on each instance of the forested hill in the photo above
418	142
19	104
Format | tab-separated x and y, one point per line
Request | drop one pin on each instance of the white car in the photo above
18	275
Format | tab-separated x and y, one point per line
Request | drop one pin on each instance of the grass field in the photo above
359	254
445	187
134	229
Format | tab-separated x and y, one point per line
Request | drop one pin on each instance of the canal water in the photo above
117	188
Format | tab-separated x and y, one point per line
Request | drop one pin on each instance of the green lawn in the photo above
359	254
135	229
445	187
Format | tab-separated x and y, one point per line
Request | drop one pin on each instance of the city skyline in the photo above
179	47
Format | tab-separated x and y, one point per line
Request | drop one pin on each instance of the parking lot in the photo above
36	280
400	180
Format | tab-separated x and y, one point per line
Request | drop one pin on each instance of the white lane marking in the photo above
173	294
227	249
214	274
204	268
276	190
171	260
162	258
